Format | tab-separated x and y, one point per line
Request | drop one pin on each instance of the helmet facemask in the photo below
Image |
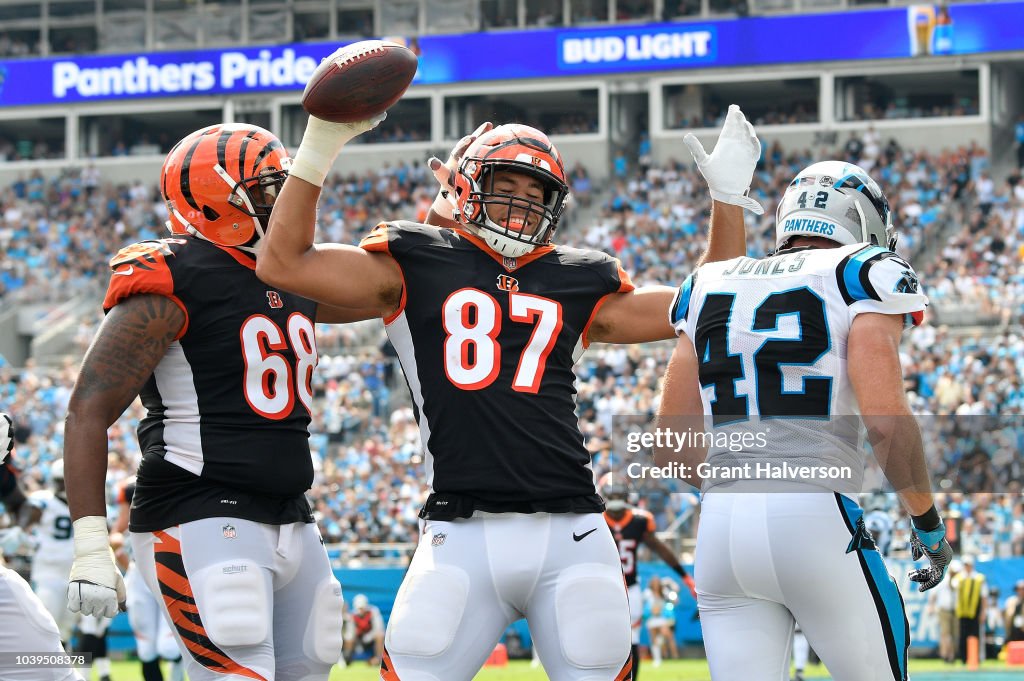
255	197
528	223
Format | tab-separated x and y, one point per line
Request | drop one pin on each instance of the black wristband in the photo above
927	521
680	570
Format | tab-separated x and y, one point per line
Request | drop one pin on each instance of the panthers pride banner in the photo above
918	31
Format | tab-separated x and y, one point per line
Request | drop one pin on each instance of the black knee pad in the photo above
151	671
88	643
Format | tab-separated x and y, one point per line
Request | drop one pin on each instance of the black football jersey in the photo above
488	345
629	532
228	406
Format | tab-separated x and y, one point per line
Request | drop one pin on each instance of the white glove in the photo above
6	435
446	203
12	539
96	587
321	144
730	167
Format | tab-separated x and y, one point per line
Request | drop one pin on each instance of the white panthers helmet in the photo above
57	471
838	201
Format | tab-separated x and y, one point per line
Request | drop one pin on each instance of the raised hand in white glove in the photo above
95	584
322	142
446	204
730	167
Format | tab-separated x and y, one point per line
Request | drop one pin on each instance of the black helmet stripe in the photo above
186	165
271	145
243	147
222	147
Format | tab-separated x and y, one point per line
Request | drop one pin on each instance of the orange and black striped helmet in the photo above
520	149
220	183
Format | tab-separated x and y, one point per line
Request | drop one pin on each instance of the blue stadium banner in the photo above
914	32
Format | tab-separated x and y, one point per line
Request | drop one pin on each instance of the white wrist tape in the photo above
91	536
443	206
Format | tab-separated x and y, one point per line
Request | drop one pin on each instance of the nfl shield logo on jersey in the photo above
438	539
228	531
509	263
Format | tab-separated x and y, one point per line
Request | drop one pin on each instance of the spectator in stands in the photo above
364	631
854	148
1013	614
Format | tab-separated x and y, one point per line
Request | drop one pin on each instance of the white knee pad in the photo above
145	629
593	616
428	611
234	601
323	640
166	644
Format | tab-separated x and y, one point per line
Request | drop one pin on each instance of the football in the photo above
359	81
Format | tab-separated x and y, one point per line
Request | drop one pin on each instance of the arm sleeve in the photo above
878	280
679	311
143	268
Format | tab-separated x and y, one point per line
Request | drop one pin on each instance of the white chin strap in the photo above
503	245
199	235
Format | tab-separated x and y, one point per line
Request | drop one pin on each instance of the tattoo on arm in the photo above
130	343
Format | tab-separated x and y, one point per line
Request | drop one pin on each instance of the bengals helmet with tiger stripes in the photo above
220	183
520	149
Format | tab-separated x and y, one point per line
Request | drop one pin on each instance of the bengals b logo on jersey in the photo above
507	283
274	300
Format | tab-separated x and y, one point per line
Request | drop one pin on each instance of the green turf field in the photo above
672	670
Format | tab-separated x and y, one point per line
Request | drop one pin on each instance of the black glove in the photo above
933	545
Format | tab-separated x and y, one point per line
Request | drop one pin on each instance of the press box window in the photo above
408	121
355	19
141	134
31	139
908	95
560	112
769	102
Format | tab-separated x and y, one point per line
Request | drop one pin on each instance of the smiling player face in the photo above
516	215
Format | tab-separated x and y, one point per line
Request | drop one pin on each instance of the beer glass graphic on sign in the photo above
921	23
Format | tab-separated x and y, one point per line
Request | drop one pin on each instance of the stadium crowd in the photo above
56	234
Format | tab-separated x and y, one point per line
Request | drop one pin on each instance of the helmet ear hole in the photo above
210	214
